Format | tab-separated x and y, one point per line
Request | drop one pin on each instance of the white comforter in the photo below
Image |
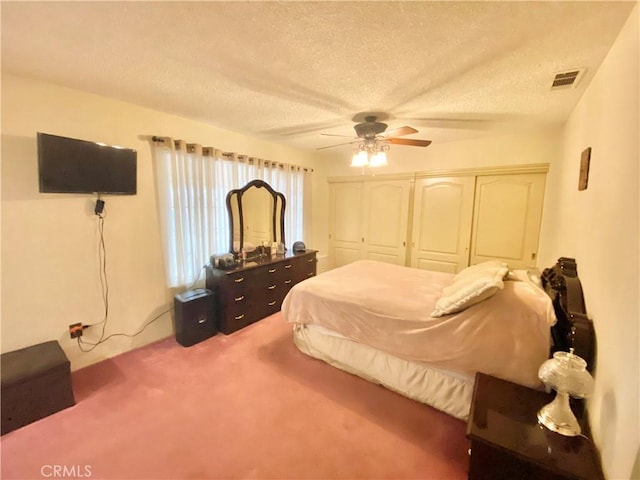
388	307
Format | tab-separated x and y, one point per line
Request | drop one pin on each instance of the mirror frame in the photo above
238	192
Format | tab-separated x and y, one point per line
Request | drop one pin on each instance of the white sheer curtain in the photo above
192	185
289	180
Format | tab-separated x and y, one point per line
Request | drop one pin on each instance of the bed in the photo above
424	334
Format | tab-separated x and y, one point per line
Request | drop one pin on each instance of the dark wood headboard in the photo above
573	328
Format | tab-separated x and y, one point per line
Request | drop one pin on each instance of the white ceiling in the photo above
289	71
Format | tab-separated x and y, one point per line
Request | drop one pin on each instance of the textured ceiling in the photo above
289	71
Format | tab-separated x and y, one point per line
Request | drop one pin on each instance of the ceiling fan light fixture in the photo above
360	159
372	143
370	153
378	159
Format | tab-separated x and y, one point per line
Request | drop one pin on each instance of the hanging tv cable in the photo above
102	259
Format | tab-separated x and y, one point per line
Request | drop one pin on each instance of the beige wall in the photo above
599	227
50	274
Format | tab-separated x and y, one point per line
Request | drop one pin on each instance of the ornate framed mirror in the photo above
256	215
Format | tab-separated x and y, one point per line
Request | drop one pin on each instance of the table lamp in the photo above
567	374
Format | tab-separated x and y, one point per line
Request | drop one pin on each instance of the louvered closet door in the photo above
508	212
345	220
386	208
442	217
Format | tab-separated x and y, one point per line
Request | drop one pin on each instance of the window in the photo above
192	184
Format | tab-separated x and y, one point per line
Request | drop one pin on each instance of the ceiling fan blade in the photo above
336	135
337	145
400	131
409	141
469	121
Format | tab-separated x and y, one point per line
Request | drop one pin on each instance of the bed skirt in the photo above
444	390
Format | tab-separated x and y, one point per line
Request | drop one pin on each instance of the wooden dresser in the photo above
255	289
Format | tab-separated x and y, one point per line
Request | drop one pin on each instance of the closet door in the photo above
442	218
345	220
507	216
386	210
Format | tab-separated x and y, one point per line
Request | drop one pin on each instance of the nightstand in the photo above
508	443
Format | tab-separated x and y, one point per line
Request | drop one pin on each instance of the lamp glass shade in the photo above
567	374
379	159
360	159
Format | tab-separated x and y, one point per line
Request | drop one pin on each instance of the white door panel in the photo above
508	211
456	221
345	217
347	212
369	220
442	214
343	256
385	220
382	257
436	266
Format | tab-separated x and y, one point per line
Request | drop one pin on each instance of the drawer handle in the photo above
311	260
202	320
271	304
271	287
238	280
238	299
287	282
239	317
310	274
271	270
287	266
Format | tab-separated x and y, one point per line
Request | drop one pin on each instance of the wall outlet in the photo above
75	330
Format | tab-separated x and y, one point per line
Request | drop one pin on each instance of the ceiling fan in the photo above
371	131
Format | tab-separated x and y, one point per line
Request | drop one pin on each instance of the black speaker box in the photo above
194	316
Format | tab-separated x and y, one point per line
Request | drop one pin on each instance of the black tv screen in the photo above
68	165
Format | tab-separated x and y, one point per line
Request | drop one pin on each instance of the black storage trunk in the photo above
194	316
36	382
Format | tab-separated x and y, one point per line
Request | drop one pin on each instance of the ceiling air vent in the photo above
566	79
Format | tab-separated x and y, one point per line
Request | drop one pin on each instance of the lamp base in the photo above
558	417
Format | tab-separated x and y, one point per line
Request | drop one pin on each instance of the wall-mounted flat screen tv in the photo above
68	165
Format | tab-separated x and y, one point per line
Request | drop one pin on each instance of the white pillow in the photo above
467	291
531	276
515	275
489	267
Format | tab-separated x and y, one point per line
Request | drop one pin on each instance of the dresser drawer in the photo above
240	315
238	279
256	290
303	268
273	302
232	294
229	324
251	295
